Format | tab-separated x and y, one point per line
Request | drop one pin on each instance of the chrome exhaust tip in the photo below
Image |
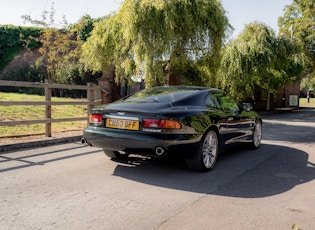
159	151
84	141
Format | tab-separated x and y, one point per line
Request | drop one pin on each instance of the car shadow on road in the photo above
268	171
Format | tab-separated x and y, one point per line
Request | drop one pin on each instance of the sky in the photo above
239	12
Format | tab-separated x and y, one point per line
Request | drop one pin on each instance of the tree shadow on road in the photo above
35	158
296	126
268	171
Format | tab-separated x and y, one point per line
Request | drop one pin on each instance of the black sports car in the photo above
191	121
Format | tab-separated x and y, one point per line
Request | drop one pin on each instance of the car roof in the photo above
186	87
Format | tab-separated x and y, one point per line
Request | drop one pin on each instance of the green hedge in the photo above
15	38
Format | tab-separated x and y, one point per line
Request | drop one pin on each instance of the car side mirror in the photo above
247	106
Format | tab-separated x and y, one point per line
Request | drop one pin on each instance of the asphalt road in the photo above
71	186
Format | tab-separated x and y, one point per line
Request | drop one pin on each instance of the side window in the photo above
226	102
212	101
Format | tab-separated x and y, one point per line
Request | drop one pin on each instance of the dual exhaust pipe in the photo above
159	151
84	141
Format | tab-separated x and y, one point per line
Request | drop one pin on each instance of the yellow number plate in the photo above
122	124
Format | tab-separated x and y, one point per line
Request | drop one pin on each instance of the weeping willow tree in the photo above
257	58
298	23
154	37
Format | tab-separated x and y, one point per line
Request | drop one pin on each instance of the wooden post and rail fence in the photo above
93	98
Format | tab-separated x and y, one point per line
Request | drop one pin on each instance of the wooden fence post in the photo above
48	93
91	101
89	97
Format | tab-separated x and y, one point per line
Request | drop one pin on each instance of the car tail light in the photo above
161	123
96	118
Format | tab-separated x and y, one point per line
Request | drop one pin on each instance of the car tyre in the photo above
114	154
257	135
205	157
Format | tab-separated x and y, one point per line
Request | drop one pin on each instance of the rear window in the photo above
160	95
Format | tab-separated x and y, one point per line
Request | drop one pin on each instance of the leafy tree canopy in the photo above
298	23
258	58
308	84
61	48
83	27
144	34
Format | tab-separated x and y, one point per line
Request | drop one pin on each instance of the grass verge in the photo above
15	113
304	103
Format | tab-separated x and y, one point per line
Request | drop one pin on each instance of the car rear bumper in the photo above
140	143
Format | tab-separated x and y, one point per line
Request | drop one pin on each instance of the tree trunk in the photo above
268	102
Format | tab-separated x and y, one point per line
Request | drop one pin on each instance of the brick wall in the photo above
23	59
111	90
282	98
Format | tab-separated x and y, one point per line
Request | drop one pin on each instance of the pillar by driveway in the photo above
110	90
105	84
